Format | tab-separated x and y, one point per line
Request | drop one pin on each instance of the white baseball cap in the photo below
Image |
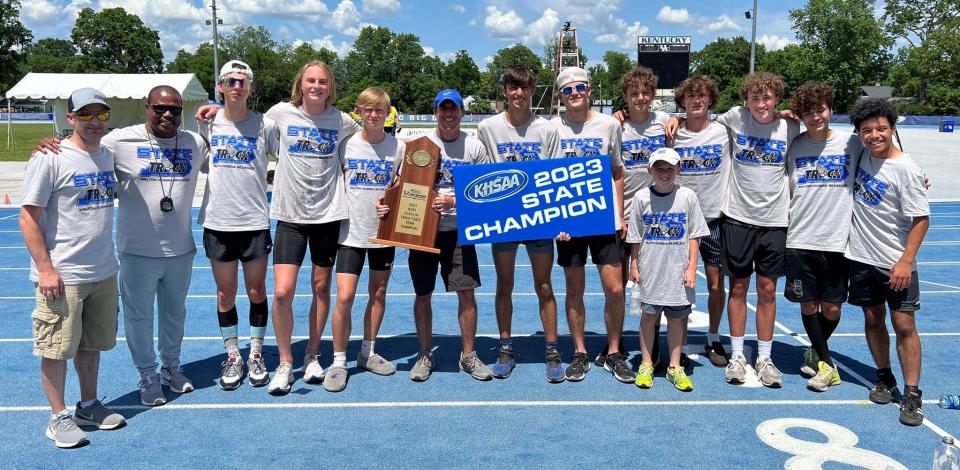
570	75
235	66
664	154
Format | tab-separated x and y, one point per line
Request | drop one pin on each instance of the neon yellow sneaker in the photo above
827	376
678	377
645	376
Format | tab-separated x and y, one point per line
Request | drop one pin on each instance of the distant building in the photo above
885	92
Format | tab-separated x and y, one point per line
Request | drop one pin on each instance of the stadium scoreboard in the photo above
667	56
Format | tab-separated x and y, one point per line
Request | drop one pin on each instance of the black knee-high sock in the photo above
817	338
827	325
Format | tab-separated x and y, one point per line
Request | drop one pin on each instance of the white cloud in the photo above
39	11
458	8
472	23
381	7
774	42
625	36
722	23
346	19
673	16
326	42
158	10
279	8
503	25
540	32
444	56
487	60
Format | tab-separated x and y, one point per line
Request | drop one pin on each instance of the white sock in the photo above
340	359
87	404
256	346
366	348
713	338
61	413
736	346
233	346
763	349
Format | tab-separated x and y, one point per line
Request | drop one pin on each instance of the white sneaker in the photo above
231	374
258	374
768	373
312	371
282	379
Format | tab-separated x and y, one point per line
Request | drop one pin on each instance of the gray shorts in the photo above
670	311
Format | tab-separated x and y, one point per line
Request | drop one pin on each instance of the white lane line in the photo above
693	334
942	243
453	294
939	284
468	404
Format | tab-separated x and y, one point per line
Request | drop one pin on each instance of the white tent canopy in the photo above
126	94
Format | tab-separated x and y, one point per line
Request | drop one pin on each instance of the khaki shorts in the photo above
83	318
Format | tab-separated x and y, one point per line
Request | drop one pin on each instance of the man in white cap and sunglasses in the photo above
235	219
586	133
67	219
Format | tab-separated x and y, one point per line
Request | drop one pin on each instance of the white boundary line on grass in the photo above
466	404
859	378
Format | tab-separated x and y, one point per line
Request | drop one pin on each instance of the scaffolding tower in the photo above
567	54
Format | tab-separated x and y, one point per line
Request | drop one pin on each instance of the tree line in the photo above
913	46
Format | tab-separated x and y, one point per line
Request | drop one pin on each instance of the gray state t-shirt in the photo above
888	194
536	140
600	135
148	169
308	185
638	142
758	192
705	165
821	188
235	197
465	150
76	190
663	225
368	171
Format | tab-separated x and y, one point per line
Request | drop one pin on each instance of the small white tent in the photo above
126	95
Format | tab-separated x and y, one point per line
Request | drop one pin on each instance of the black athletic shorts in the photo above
604	249
458	266
710	245
813	275
350	259
292	241
745	248
870	286
232	246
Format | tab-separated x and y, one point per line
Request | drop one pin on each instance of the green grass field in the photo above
25	139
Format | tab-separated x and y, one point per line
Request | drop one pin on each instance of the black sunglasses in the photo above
163	109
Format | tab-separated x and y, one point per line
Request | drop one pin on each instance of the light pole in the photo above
752	15
216	40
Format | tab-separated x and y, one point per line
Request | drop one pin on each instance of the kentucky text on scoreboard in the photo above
663	43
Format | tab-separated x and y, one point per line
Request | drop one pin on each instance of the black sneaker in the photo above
617	365
882	393
911	408
716	354
578	367
601	358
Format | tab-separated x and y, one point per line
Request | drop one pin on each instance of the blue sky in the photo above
444	27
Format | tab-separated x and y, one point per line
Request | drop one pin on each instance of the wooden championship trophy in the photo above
412	222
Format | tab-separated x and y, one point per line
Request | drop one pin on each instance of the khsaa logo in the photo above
496	186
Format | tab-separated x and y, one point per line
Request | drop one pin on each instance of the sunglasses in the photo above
163	109
568	90
230	82
88	116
